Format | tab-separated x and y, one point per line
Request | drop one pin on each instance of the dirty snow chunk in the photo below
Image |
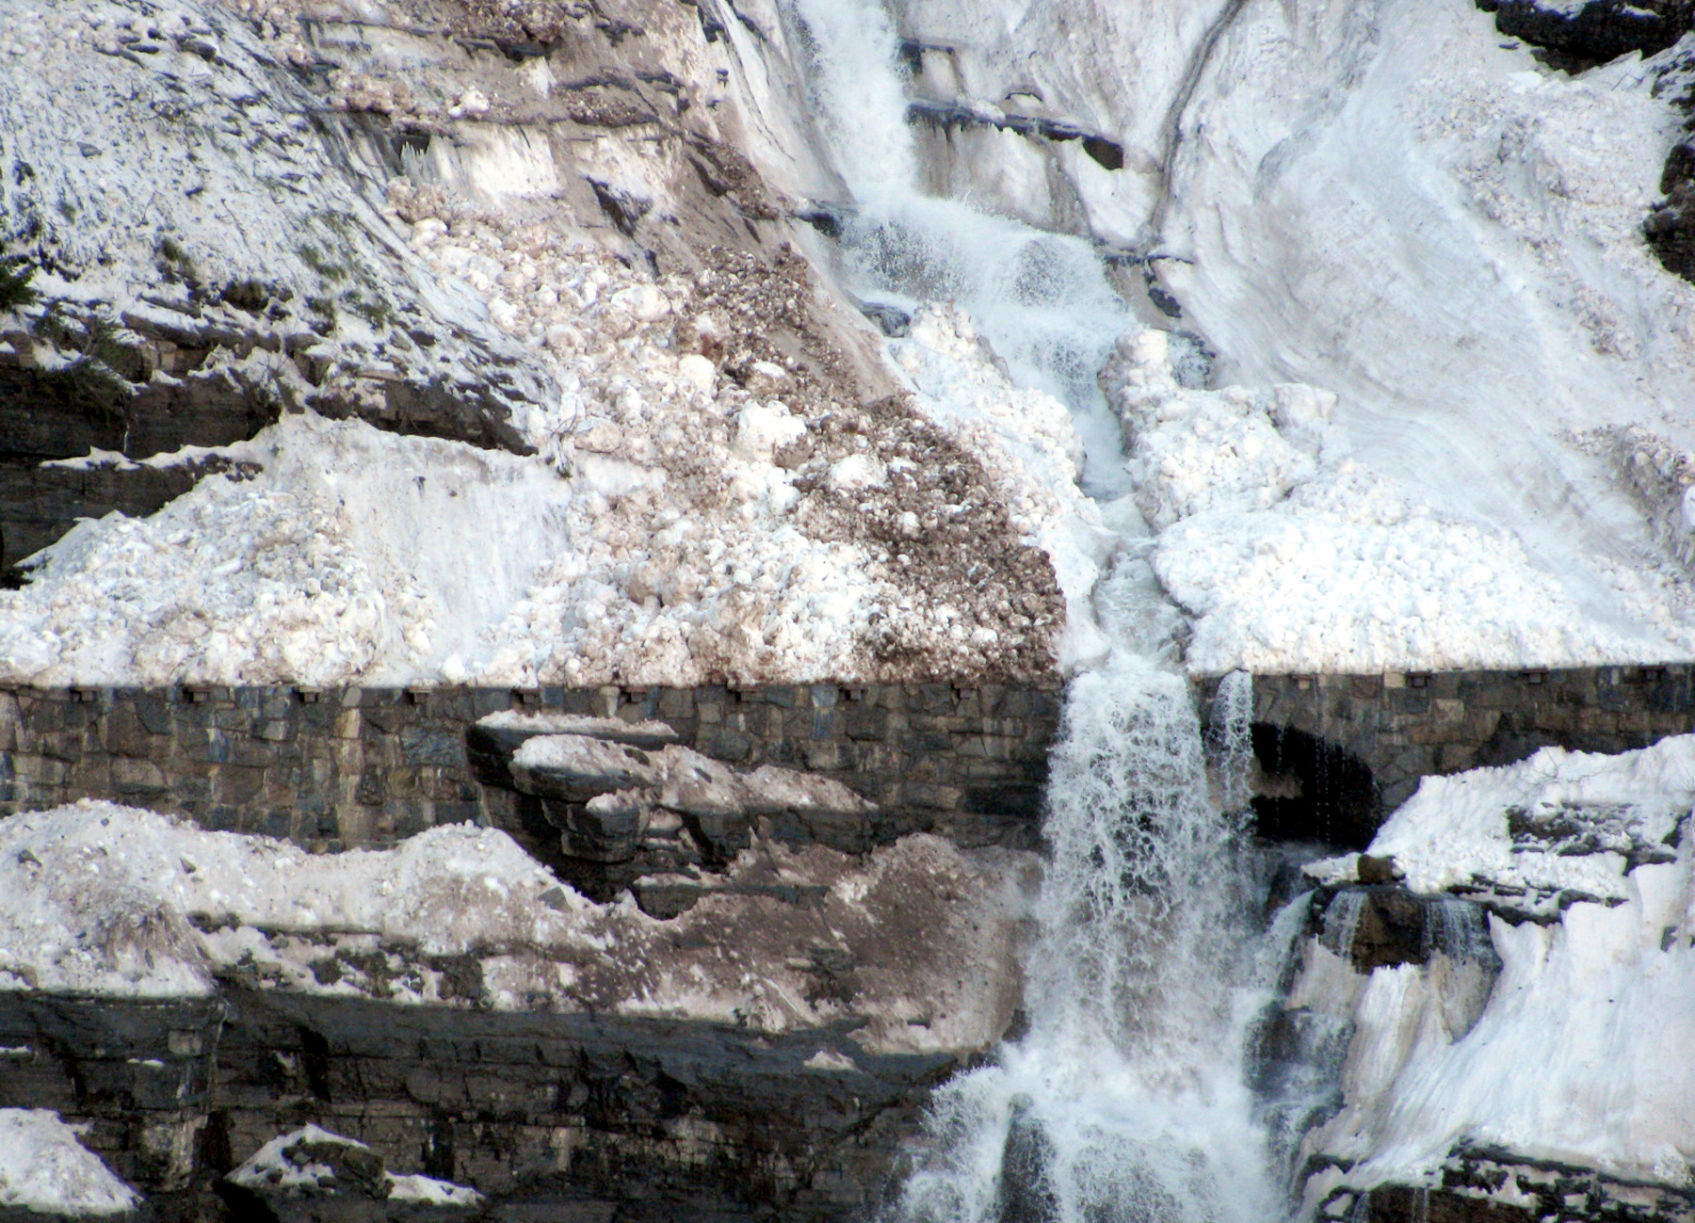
312	1161
46	1170
829	1059
1559	820
428	1191
762	428
280	1164
645	302
770	788
544	722
698	372
855	471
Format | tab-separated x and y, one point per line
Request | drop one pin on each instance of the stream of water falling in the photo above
1127	1099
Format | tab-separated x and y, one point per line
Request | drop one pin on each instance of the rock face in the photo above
1594	31
570	1114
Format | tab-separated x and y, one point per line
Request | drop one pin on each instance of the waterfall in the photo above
1041	299
1127	1099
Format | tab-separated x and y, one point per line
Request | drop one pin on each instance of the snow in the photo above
1592	1002
279	1166
1290	553
1431	240
1558	821
1591	992
704	503
45	1169
113	901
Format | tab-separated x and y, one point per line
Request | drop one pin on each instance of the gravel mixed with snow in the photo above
120	902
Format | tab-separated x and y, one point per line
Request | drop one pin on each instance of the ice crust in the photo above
46	1170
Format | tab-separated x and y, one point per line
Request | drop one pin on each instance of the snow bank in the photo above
45	1169
1292	555
114	901
1593	1003
1592	999
103	897
1558	822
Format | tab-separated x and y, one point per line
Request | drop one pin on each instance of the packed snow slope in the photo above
688	465
1414	398
119	902
1586	863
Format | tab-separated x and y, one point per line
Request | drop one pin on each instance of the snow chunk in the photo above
312	1161
762	428
855	471
45	1169
1559	821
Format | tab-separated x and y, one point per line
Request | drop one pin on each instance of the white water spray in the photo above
1127	1099
1041	299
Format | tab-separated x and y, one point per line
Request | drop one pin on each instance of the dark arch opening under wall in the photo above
1307	789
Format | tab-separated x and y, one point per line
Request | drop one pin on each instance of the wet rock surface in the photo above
1477	1185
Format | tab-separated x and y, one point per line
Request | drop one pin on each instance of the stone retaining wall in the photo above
1405	726
367	766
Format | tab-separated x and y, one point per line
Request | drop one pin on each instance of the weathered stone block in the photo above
824	754
426	746
236	786
930	794
723	743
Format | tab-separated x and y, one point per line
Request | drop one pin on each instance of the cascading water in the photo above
1040	299
1127	1098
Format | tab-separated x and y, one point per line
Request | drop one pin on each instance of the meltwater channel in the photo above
1127	1098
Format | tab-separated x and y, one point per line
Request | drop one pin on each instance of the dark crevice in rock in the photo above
1312	790
1575	37
1107	152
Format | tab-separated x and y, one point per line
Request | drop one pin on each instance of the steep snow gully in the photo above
1294	337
